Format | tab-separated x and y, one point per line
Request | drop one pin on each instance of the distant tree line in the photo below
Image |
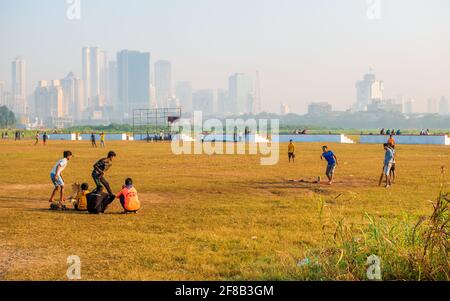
359	121
7	118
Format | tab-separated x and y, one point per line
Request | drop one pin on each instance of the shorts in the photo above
58	182
330	169
387	169
291	155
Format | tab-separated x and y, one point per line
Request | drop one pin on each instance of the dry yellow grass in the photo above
203	217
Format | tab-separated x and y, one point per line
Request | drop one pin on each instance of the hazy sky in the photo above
305	51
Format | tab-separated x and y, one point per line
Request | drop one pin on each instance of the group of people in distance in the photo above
44	138
102	139
390	132
98	200
332	161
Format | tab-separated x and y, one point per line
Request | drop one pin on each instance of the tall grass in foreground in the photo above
408	250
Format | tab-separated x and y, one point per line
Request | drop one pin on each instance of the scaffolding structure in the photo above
153	121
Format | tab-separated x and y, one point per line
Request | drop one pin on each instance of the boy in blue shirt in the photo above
331	163
387	165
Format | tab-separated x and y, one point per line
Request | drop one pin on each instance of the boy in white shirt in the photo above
57	178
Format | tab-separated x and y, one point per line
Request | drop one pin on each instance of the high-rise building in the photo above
443	106
111	95
183	92
319	108
432	107
95	76
73	93
48	97
368	90
133	81
285	109
222	102
163	82
19	89
2	93
153	103
409	106
240	89
203	100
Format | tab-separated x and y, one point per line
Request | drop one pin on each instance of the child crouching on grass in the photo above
129	198
79	202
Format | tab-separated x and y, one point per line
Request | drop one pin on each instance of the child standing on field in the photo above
128	197
291	151
57	178
102	140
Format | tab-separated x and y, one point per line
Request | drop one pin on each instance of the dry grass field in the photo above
220	217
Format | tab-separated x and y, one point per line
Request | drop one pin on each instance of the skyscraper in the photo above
111	95
2	93
432	106
240	89
133	69
443	106
409	106
222	102
183	92
285	109
203	100
19	90
163	82
73	93
95	76
48	99
367	90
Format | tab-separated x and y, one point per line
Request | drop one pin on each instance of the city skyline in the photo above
307	73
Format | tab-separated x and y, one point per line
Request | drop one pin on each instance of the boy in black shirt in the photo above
100	168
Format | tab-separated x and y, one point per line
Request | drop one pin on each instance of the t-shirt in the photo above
130	197
62	164
102	165
82	200
388	156
291	148
329	156
391	141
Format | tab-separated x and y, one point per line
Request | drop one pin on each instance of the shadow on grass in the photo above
68	211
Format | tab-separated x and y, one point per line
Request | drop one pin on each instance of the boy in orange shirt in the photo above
129	198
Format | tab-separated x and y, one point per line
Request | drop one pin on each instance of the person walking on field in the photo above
291	151
332	162
102	139
387	165
57	178
44	138
93	143
36	138
100	168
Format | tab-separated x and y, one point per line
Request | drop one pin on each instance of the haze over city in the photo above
304	51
